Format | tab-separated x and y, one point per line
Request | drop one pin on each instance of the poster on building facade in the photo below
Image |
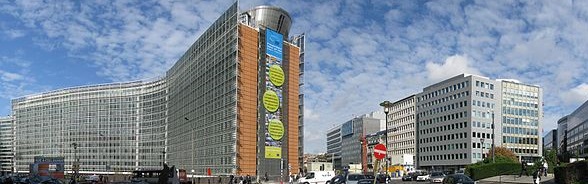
272	97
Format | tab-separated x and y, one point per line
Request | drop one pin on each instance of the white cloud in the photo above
453	65
14	33
576	95
8	76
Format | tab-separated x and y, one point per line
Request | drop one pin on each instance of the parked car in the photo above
339	179
436	177
382	178
353	178
418	173
408	176
423	177
458	178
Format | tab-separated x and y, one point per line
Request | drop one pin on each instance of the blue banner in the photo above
273	44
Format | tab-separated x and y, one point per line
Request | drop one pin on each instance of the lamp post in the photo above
76	166
386	104
333	161
193	176
162	158
482	148
493	137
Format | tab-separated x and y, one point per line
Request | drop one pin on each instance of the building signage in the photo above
272	97
273	44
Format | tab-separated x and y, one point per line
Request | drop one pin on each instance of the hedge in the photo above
477	172
576	172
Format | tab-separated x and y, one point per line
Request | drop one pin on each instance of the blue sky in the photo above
359	53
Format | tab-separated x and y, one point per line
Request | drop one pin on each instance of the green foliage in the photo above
576	172
480	170
500	159
551	158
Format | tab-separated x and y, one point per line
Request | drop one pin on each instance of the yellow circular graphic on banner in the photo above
276	75
271	101
276	129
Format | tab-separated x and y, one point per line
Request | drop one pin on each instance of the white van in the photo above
317	177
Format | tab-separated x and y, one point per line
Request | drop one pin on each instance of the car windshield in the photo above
355	177
369	176
436	174
309	175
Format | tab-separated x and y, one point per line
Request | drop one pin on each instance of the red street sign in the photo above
379	151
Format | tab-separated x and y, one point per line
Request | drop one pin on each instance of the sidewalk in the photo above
516	179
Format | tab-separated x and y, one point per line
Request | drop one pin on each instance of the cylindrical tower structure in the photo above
271	17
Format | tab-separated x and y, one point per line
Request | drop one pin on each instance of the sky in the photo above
358	53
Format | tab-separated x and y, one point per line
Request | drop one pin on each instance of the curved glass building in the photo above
230	105
114	127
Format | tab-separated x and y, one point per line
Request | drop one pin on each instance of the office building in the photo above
522	117
577	130
6	144
371	141
562	128
550	141
111	125
355	130
334	146
230	105
300	42
460	118
401	135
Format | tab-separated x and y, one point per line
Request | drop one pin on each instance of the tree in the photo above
503	155
551	158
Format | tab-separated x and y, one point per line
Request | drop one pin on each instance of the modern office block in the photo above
577	130
460	118
117	127
352	132
562	128
401	125
522	117
231	104
6	144
550	141
334	146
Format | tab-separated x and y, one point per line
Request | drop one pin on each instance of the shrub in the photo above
481	171
576	172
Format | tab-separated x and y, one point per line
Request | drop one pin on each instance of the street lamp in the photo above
482	148
386	104
162	158
333	161
76	166
193	176
493	138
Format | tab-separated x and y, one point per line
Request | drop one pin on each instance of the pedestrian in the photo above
537	176
523	168
545	165
266	178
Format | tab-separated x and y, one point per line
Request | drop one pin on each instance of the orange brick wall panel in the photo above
247	104
292	55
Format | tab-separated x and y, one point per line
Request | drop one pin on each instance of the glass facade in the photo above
202	110
117	127
6	141
521	119
577	131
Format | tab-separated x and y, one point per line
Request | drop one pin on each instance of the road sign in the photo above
379	151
